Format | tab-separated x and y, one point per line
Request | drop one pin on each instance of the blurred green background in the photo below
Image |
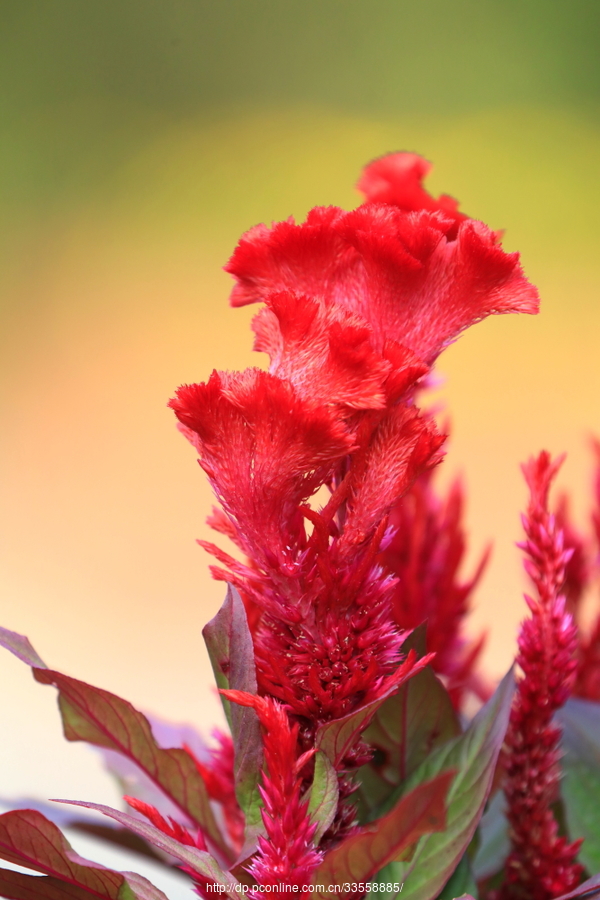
138	140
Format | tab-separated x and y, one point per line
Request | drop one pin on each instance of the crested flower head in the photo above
357	306
413	269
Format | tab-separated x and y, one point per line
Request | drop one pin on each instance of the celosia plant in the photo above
340	654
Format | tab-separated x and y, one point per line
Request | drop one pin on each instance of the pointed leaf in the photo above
474	755
337	737
93	825
360	856
580	787
494	843
22	649
461	881
198	860
99	717
324	793
229	644
19	886
28	839
404	731
130	778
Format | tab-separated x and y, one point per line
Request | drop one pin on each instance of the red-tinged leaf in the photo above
324	793
198	860
493	842
120	837
361	856
589	890
18	886
28	839
101	718
461	882
404	731
130	778
94	825
229	644
473	755
580	786
337	737
22	649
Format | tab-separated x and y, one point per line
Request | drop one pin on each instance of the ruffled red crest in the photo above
403	446
327	353
264	448
397	179
413	277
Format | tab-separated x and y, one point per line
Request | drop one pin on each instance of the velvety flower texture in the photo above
286	855
542	864
311	459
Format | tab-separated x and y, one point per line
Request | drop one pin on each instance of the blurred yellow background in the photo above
139	140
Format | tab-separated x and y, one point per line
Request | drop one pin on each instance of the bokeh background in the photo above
138	139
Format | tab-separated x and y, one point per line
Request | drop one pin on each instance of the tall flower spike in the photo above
541	864
287	855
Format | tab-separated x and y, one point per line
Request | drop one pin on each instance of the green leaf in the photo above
473	755
324	793
494	843
198	860
404	730
361	856
338	736
461	882
28	839
98	717
229	644
580	787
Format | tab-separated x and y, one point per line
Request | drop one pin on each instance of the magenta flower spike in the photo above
541	864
